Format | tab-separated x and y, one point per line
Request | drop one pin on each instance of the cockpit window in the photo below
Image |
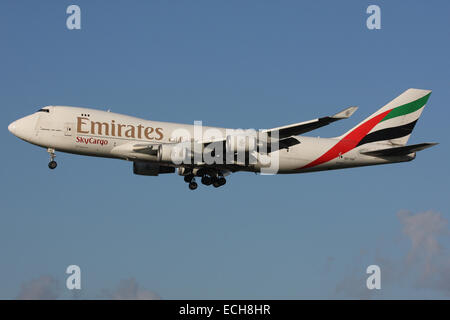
43	110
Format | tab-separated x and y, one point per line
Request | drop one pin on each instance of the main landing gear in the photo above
191	181
217	180
52	164
207	178
193	185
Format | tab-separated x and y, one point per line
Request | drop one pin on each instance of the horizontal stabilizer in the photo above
399	151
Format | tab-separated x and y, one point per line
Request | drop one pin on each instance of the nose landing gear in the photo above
52	164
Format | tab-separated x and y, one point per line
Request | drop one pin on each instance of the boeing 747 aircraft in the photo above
212	153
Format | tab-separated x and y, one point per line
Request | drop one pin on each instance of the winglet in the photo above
344	114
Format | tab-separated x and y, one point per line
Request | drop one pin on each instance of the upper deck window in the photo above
43	110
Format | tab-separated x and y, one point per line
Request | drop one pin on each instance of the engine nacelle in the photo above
150	169
173	153
241	143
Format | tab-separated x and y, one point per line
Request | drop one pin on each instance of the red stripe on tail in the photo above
348	142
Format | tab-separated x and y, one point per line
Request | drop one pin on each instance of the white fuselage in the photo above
106	134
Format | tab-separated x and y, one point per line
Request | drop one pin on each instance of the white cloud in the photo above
425	265
42	288
129	289
427	259
48	288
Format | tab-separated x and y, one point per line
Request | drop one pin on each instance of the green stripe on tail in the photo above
407	108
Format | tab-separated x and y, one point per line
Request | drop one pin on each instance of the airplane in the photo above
213	153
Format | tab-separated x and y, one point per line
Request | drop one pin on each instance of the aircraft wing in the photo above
285	133
306	126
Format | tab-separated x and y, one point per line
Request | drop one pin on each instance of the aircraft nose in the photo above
12	127
23	128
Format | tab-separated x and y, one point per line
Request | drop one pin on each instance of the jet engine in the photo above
173	153
241	143
150	169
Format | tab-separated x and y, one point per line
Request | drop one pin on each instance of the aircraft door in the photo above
68	128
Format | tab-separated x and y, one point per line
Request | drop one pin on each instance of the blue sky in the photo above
251	64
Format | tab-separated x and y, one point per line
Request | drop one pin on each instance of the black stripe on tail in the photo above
388	133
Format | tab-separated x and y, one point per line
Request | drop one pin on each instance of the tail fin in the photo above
393	123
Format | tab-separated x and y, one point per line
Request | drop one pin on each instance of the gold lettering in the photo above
148	131
139	131
119	129
130	132
113	128
99	125
159	132
80	122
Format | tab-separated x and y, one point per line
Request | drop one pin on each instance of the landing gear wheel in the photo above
188	178
193	185
207	180
52	164
221	181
